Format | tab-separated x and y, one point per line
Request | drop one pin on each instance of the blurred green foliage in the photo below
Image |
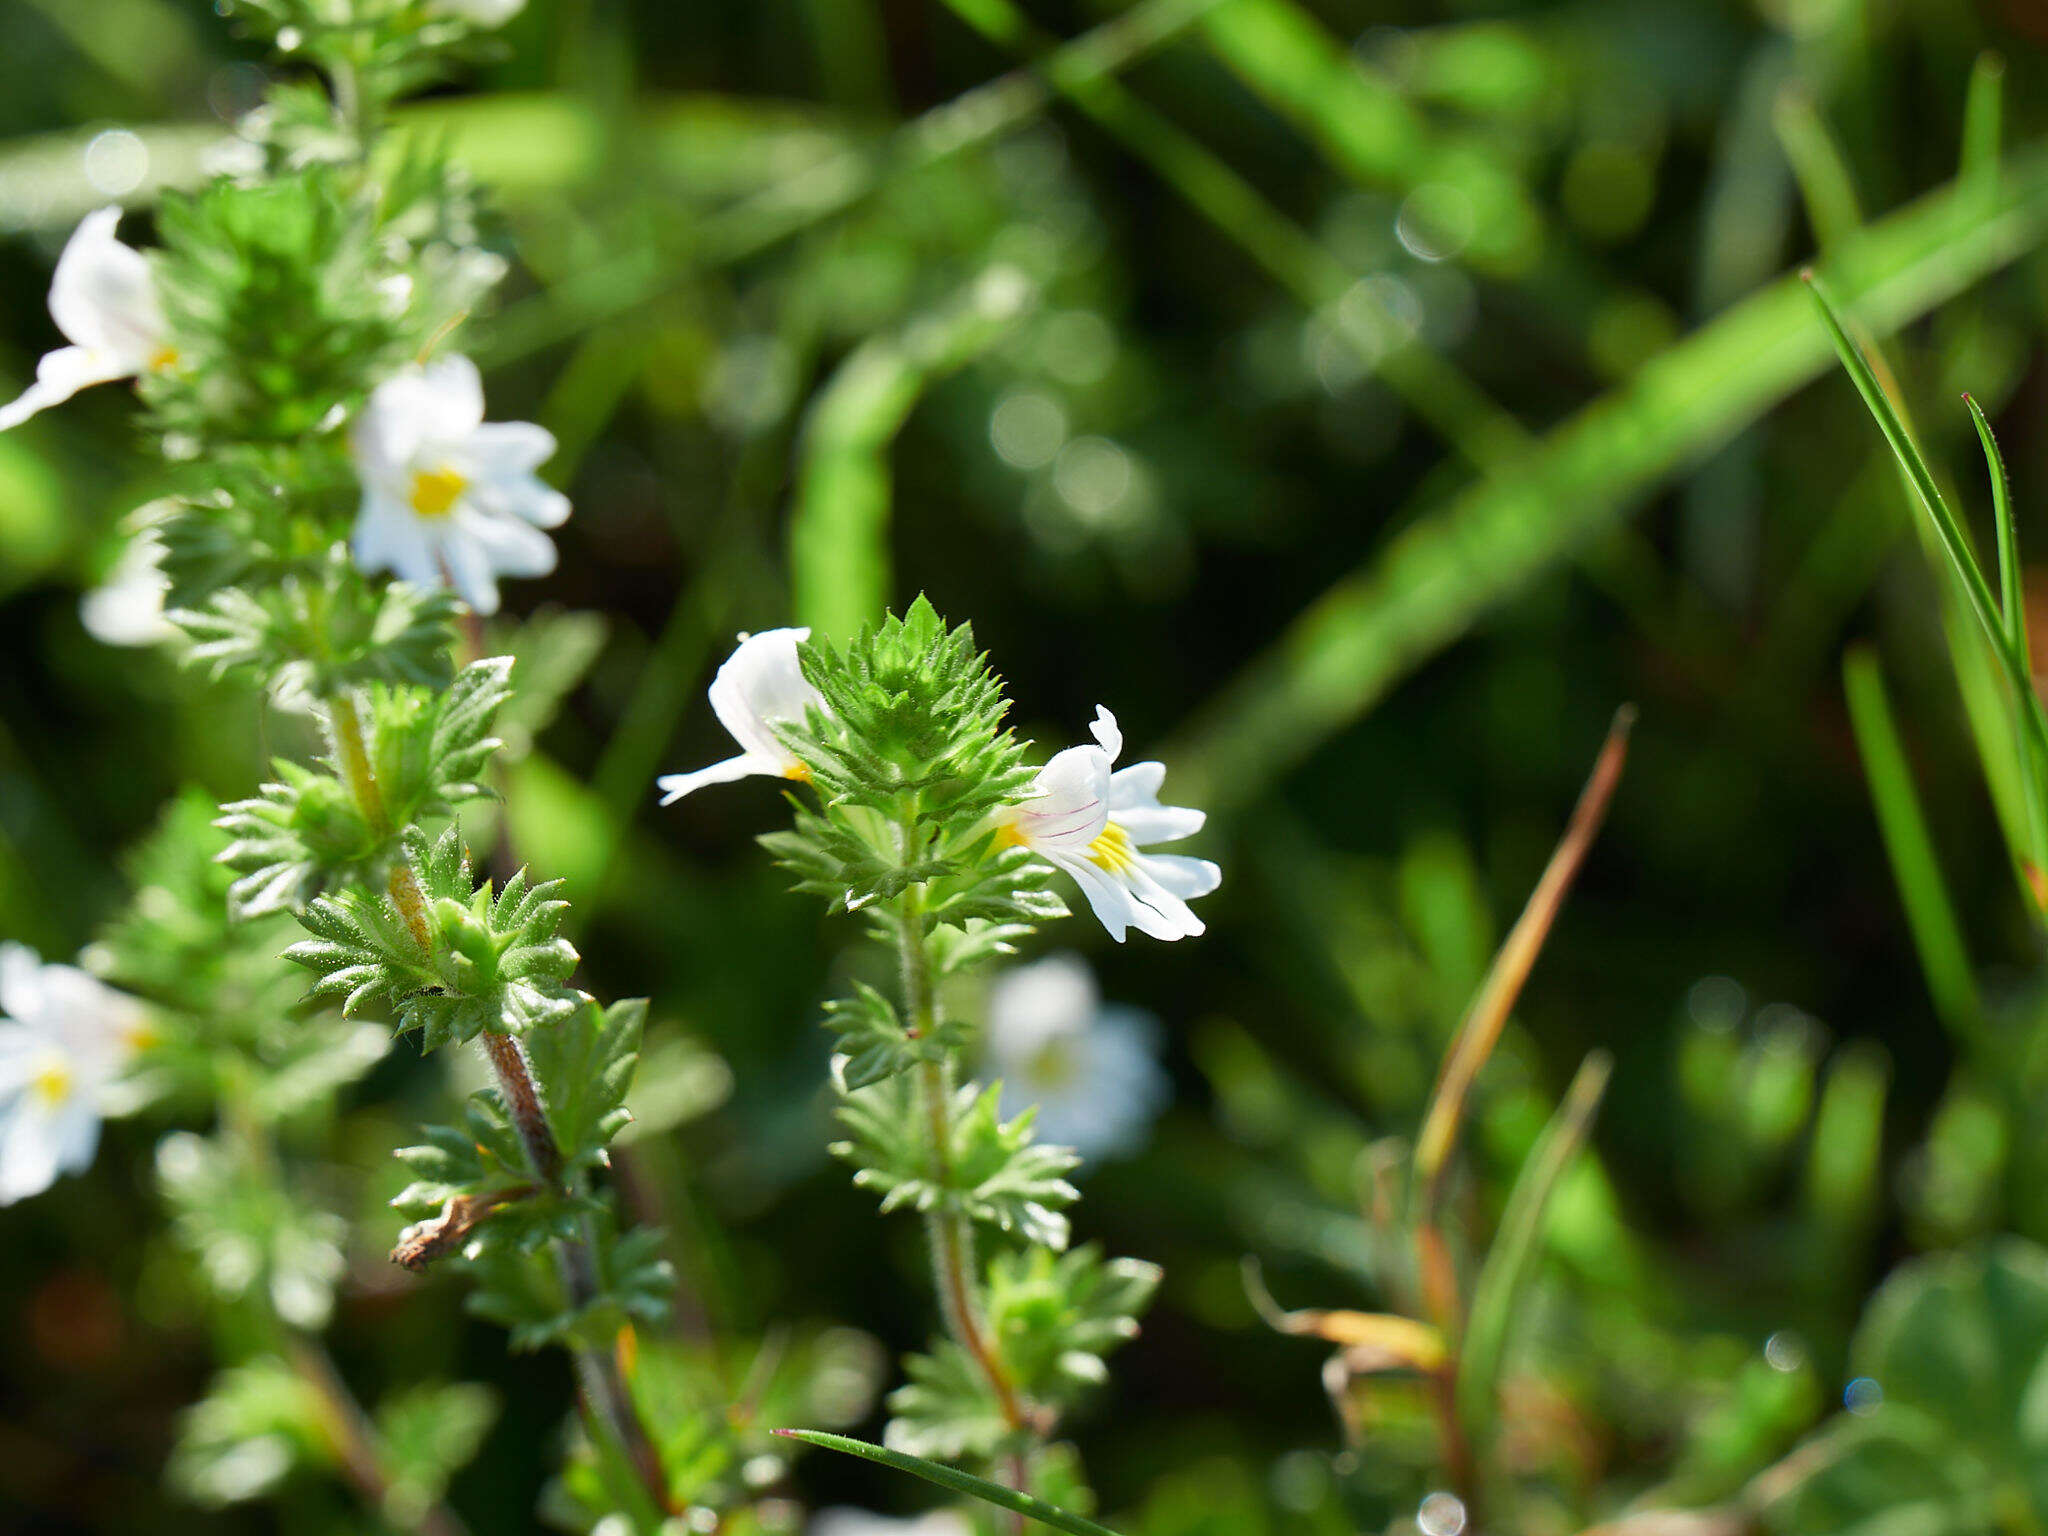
1362	399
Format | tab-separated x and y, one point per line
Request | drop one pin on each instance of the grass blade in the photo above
1454	561
1437	390
2030	731
1519	1241
1955	543
2010	596
2032	763
960	1482
839	534
1488	1015
1983	125
1930	916
1820	168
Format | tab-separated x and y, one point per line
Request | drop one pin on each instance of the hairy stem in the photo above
950	1233
514	1074
598	1372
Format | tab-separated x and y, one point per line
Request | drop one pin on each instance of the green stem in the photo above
950	1233
598	1372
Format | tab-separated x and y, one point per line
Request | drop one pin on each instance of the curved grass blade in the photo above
1930	916
1488	1014
1516	1245
1983	126
2009	592
1955	543
960	1482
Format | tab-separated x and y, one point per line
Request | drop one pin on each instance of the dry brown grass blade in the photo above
1488	1015
1370	1341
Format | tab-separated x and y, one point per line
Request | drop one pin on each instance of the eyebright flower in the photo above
127	608
760	687
63	1042
103	297
448	496
1092	1071
1093	823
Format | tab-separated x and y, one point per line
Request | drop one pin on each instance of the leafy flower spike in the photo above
448	495
66	1037
103	297
1092	822
760	688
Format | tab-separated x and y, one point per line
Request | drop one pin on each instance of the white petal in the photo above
521	496
762	685
1112	902
389	538
75	1133
28	1150
1029	1005
1177	919
128	607
510	447
1067	808
95	1024
417	414
24	1052
1134	806
674	786
103	296
1105	731
511	547
60	375
455	395
21	983
1160	823
469	572
1185	877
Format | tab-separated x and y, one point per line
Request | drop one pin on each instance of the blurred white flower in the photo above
64	1040
103	297
1092	823
760	687
448	496
1092	1071
480	13
127	607
844	1520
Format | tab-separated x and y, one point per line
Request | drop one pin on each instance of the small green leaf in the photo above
586	1062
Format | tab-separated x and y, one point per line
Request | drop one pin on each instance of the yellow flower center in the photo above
140	1036
54	1083
1007	836
435	491
163	359
797	772
1055	1066
1112	850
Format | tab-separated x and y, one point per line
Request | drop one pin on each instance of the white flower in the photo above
844	1520
1092	1071
447	495
1092	823
103	298
127	607
760	687
63	1042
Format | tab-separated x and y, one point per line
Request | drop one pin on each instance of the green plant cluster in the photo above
913	766
292	287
